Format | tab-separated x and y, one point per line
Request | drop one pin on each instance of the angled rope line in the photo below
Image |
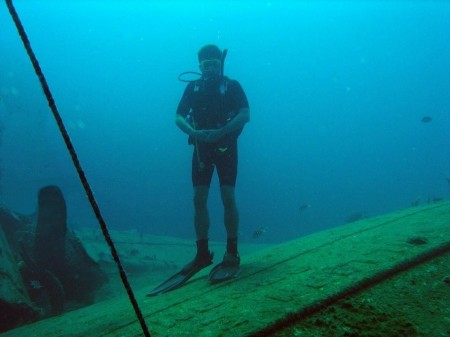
76	162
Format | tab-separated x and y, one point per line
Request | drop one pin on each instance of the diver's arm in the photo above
237	122
183	124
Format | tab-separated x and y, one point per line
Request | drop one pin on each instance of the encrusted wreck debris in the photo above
44	268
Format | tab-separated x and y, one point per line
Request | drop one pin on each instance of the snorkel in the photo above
222	82
224	55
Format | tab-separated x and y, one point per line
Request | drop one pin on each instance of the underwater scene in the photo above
320	127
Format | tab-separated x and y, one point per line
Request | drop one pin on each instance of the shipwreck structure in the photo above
44	268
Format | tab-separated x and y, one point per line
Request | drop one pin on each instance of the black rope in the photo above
71	149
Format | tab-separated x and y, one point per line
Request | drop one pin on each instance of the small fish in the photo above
426	119
415	202
35	284
434	199
133	252
150	257
356	216
259	232
303	207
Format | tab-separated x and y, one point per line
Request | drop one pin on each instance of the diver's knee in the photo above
200	196
228	198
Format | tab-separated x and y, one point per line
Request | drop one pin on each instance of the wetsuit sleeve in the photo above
239	98
186	101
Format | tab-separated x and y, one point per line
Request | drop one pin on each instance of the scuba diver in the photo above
212	112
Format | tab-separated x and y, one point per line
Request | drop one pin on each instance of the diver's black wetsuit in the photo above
211	105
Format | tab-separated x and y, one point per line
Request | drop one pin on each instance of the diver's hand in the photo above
201	135
213	136
208	136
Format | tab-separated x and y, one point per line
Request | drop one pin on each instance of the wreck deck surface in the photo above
294	278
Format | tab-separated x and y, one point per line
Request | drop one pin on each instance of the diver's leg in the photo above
231	214
202	171
226	163
201	214
231	218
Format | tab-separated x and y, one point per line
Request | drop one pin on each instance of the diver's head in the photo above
210	61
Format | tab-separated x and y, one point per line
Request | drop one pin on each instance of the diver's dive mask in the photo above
211	68
210	65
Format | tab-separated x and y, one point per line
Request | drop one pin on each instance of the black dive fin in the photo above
180	278
223	272
172	283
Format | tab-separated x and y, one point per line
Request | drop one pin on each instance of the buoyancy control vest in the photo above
211	105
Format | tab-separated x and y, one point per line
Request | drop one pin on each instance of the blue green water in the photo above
337	92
